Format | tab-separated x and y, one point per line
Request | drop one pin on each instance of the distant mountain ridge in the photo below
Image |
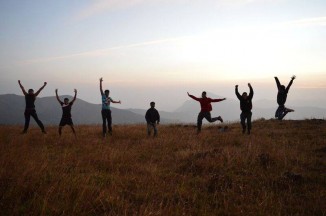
49	111
12	111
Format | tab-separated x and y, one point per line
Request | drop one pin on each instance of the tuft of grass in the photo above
278	170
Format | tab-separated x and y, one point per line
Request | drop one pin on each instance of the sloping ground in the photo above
278	170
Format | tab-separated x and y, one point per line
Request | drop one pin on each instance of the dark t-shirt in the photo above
66	110
30	99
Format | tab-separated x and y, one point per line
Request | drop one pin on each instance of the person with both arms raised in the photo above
245	106
30	98
66	112
281	99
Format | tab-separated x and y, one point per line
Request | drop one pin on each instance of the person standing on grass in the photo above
66	112
106	111
245	106
206	108
30	98
281	99
152	118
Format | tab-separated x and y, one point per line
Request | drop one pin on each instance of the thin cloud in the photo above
101	52
315	21
102	6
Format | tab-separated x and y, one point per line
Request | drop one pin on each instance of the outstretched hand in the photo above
45	83
236	86
75	90
101	79
19	81
293	77
56	90
188	93
249	84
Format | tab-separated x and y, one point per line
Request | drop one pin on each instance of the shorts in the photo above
66	121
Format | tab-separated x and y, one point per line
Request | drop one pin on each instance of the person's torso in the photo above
30	99
152	115
66	110
205	104
105	102
281	97
246	104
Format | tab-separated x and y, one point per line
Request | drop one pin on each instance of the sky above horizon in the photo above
157	50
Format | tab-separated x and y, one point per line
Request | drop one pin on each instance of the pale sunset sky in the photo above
157	50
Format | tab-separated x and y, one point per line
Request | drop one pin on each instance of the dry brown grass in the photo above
278	170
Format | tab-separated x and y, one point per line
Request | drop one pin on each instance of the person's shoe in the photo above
289	110
220	118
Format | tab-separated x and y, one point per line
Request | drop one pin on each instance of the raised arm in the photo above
237	92
101	89
22	87
277	83
193	97
251	93
38	92
73	100
57	96
290	83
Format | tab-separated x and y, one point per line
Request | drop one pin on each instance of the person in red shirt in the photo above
206	108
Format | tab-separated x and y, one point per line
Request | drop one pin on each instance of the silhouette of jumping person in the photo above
106	111
66	112
30	98
245	106
152	118
206	108
281	99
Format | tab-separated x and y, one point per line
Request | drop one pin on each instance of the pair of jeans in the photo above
32	112
207	116
243	116
106	117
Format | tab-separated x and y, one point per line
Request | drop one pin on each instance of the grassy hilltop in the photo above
278	170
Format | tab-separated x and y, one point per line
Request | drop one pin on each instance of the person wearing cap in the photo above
106	110
30	98
152	118
245	106
282	94
206	108
66	112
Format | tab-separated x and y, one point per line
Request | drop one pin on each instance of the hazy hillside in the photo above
49	111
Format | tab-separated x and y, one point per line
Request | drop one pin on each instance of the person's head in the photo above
152	104
282	87
203	95
30	91
107	92
66	101
244	95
